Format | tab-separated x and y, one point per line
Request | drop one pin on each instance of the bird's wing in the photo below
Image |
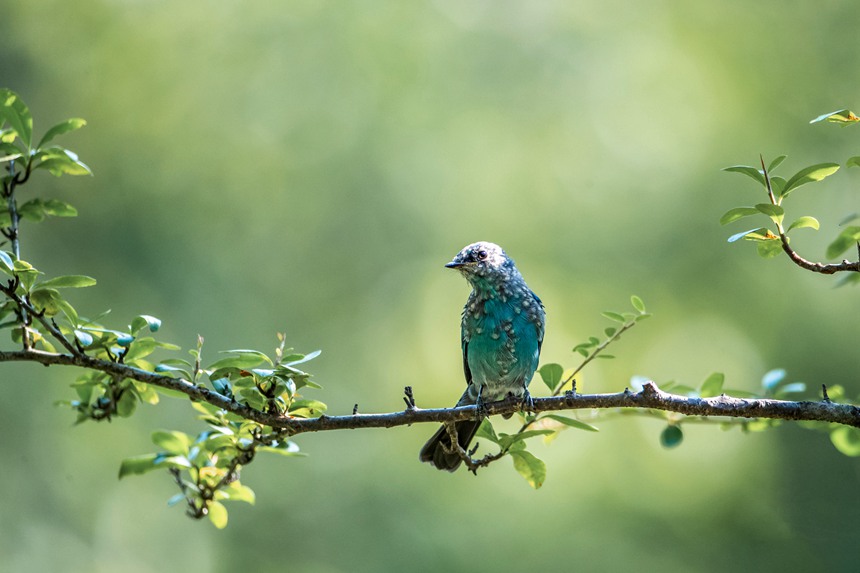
466	371
541	324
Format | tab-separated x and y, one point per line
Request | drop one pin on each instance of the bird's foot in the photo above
480	409
527	404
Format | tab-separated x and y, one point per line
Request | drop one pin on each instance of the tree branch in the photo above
826	269
651	397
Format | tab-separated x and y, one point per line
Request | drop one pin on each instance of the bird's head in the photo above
482	261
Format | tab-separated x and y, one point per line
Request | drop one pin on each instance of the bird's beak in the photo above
455	264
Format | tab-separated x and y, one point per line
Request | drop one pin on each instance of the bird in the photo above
501	334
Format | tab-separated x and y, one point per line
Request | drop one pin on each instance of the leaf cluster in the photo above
774	238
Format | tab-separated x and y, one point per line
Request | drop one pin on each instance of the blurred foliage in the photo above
309	167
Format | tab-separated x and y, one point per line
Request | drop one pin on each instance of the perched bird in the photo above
501	333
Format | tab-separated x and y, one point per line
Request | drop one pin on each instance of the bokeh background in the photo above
309	166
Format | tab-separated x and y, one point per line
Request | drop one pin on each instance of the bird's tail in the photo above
434	452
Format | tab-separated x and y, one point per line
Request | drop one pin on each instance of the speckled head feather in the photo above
483	260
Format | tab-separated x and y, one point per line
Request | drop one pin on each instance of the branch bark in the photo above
651	397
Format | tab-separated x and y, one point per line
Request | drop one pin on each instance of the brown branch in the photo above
826	269
651	397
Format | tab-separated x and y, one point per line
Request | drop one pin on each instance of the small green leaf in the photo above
808	175
17	114
772	378
848	218
173	442
846	239
84	338
530	467
612	316
6	262
671	436
847	440
486	431
737	213
853	161
769	249
793	388
217	514
126	405
713	385
238	492
775	212
286	448
551	374
68	281
743	234
61	128
637	303
573	423
748	171
775	163
804	222
138	465
843	116
145	320
307	408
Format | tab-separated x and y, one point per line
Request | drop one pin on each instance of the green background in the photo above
308	167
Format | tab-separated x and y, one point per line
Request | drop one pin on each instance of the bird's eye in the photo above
482	255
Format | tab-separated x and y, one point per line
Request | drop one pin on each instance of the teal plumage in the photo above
501	332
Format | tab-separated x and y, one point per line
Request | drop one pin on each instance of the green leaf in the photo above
238	492
853	161
775	212
551	374
301	358
145	320
612	316
217	514
8	150
846	239
126	405
843	116
61	128
573	423
772	378
748	171
848	218
138	465
743	234
7	263
769	249
173	442
245	359
84	338
671	436
637	303
737	213
68	281
804	222
58	161
808	175
793	388
486	431
713	385
775	163
530	467
17	114
285	448
847	440
307	408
